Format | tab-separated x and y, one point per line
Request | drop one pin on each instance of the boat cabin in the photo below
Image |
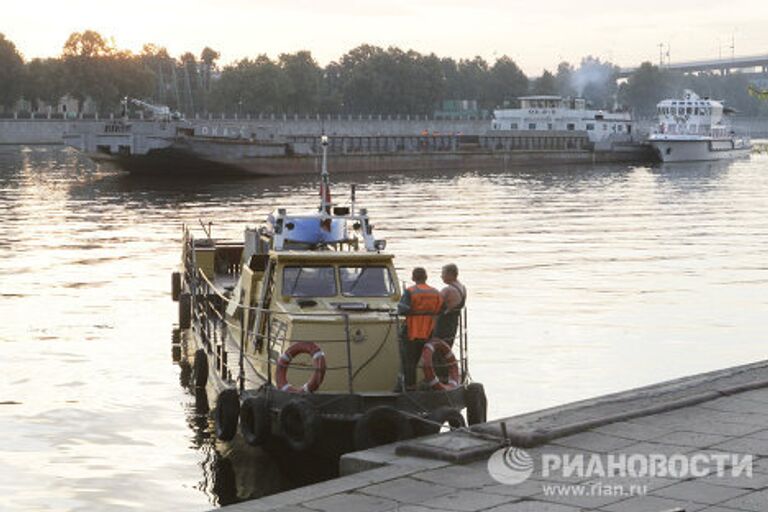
692	115
555	113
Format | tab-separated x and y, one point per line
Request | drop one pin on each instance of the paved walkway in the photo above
720	428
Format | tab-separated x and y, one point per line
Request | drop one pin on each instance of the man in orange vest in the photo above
420	303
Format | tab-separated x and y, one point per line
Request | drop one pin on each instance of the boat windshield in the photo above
369	281
309	281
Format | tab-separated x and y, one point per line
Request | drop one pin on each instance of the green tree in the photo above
645	88
507	82
165	88
301	76
545	84
45	81
564	80
473	80
87	44
249	86
84	55
11	73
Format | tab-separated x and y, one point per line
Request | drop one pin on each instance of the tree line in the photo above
365	80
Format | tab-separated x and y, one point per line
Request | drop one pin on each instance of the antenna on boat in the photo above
325	187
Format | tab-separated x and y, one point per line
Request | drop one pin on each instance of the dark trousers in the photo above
411	356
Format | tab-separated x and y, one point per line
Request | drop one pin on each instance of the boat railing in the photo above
256	326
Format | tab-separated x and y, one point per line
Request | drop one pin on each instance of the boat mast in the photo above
325	188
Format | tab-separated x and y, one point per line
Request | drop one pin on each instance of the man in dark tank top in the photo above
454	296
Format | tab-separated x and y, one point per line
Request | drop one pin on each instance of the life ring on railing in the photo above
427	354
318	361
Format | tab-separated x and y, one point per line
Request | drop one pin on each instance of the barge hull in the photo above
174	161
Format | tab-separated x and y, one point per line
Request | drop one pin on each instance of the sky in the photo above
537	35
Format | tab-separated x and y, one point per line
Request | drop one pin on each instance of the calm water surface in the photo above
582	281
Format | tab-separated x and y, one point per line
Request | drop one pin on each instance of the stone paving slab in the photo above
351	502
636	431
469	501
407	490
753	502
594	442
756	482
692	439
534	506
747	444
652	504
460	477
700	492
456	447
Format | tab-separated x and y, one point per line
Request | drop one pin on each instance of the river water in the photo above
582	281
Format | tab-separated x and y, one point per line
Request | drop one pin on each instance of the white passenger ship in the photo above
693	128
555	113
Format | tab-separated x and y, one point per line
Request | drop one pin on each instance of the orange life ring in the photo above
318	361
427	355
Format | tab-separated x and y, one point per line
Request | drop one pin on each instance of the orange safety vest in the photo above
425	303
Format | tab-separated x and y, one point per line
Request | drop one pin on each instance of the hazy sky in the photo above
535	34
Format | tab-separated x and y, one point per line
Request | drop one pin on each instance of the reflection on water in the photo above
583	280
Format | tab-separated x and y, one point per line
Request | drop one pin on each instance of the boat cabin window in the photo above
366	282
309	281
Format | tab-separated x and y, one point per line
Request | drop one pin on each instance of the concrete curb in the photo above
667	397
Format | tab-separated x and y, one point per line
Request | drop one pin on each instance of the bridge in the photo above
724	66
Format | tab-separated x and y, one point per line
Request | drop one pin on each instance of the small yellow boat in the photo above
295	336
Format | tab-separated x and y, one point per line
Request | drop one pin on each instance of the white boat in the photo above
558	114
695	129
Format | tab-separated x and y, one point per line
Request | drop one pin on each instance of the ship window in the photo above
689	110
532	126
513	126
366	282
570	126
309	281
590	126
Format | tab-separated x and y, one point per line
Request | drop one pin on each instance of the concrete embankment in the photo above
50	131
717	418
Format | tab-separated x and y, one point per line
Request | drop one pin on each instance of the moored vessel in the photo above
695	129
294	335
170	147
553	114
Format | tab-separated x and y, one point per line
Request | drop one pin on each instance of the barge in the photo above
179	148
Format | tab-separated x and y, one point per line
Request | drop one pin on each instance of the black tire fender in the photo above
299	424
200	369
175	286
185	311
255	421
381	425
477	403
227	414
